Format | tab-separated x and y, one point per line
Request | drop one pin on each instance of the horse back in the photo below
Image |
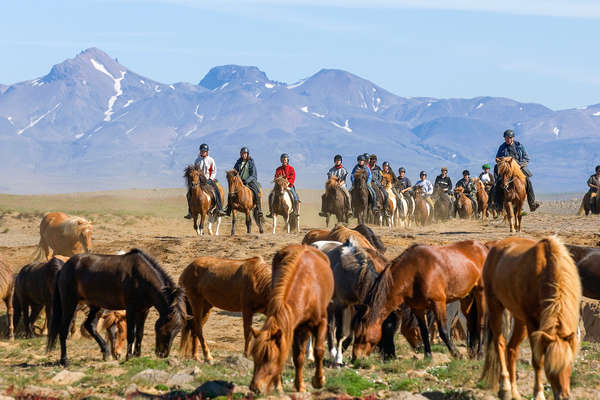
35	282
589	271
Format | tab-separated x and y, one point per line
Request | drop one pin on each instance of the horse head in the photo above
558	351
386	180
170	323
332	182
266	349
418	191
84	233
366	335
458	191
192	175
479	186
281	184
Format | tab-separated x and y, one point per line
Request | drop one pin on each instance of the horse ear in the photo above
498	159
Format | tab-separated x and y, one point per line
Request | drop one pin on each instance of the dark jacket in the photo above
403	183
518	152
445	184
469	186
376	173
251	169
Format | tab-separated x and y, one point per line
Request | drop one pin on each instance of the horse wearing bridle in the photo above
201	201
240	199
282	204
513	184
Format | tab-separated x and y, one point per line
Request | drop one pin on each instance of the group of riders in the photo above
401	184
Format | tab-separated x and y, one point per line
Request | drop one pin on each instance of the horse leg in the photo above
10	316
331	321
420	315
195	217
440	316
68	305
247	323
495	322
233	212
288	222
274	222
301	335
340	334
511	217
140	319
90	325
258	219
248	221
36	309
200	321
319	334
327	220
218	226
538	367
512	354
130	318
201	227
210	221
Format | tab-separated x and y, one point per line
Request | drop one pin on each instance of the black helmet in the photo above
373	157
203	147
422	173
597	168
466	172
284	155
361	157
401	169
385	163
509	133
244	150
337	157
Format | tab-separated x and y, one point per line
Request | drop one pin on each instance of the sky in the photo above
543	51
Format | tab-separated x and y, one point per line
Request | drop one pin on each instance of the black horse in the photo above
371	237
133	282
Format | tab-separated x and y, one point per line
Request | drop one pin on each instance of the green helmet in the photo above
486	166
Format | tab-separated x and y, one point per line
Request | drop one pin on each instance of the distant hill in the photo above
91	123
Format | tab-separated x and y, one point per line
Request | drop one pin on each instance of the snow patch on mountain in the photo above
188	133
295	85
346	126
34	122
269	85
116	84
479	106
596	114
128	103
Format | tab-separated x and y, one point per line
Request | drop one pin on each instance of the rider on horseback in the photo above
247	171
340	173
209	169
486	177
594	184
376	180
514	149
287	171
361	165
388	170
468	184
426	188
403	184
443	183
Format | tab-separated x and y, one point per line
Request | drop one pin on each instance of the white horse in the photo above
282	204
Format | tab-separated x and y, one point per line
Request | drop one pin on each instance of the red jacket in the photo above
288	172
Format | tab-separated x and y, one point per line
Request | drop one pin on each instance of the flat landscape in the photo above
152	220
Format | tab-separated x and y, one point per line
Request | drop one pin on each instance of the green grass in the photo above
351	382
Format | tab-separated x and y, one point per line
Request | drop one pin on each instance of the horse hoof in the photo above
64	362
107	357
318	383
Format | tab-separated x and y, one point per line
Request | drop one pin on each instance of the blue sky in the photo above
544	51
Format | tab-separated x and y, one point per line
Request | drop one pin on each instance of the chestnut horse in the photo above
282	204
201	201
423	211
114	324
482	199
63	234
360	196
240	199
133	282
587	260
362	233
7	286
334	201
424	277
538	283
301	291
231	285
513	184
464	206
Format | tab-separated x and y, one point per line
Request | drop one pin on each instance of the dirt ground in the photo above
152	220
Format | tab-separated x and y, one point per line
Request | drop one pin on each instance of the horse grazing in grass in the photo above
538	283
587	260
133	282
240	199
282	204
7	286
464	206
231	285
335	201
513	185
360	196
114	324
201	201
301	291
362	233
423	211
443	205
482	199
391	205
63	234
426	277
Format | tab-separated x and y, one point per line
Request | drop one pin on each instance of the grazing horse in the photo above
360	196
34	287
7	287
513	184
334	201
368	233
423	211
201	201
464	205
231	285
443	205
133	282
587	260
391	205
426	277
114	324
282	204
301	291
63	234
362	233
240	199
537	282
482	199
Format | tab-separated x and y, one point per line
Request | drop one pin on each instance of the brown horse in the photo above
240	199
482	199
7	287
513	184
360	196
63	234
201	201
334	201
231	285
423	211
538	283
362	233
464	206
589	204
587	260
114	324
302	289
424	277
282	204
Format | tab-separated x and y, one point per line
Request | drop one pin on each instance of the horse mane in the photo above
187	174
260	274
362	263
341	233
360	173
281	181
459	189
510	169
332	183
386	179
169	289
284	266
74	226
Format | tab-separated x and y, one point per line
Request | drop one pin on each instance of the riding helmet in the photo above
485	166
361	157
597	168
203	147
466	172
366	155
284	155
385	163
337	157
401	169
422	173
509	133
244	150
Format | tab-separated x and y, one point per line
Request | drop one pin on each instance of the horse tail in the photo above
186	346
582	207
56	318
556	338
38	254
491	366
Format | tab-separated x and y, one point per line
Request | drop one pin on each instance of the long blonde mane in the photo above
332	183
508	167
75	226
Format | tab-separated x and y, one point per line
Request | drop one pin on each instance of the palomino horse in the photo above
590	204
587	260
423	211
482	198
133	282
282	204
538	283
425	277
201	201
240	199
334	201
7	287
360	196
513	184
302	289
231	285
114	324
391	205
364	235
443	205
64	234
464	205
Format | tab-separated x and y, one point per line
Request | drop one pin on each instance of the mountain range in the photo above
91	124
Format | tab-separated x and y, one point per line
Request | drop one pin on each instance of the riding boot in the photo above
258	205
270	214
533	205
189	214
219	205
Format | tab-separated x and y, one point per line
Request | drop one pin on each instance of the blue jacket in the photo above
251	169
516	151
356	167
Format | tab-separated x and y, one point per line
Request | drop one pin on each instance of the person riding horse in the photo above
287	171
341	174
247	171
403	184
361	165
388	170
426	188
468	184
209	169
443	183
514	149
594	184
376	180
486	177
